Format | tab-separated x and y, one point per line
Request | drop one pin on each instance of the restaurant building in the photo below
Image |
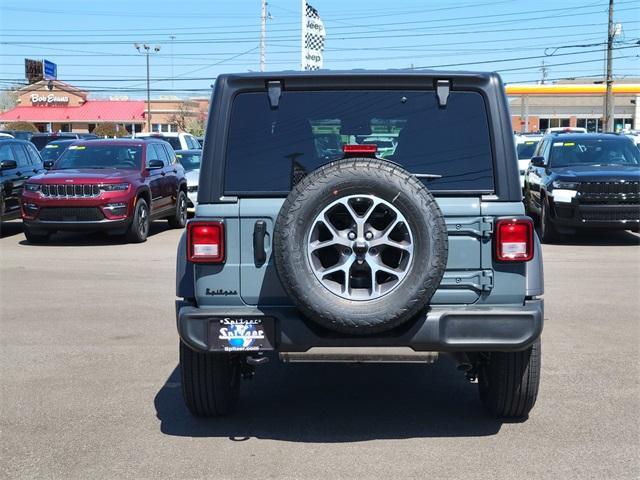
573	104
55	106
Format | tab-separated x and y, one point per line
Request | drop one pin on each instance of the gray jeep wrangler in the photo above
310	243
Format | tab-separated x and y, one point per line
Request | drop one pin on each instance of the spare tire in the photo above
360	246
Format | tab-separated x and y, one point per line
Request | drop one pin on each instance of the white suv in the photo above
179	141
525	145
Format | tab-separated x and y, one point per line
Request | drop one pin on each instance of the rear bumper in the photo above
442	329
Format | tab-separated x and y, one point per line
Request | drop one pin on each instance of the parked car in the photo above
634	137
19	161
115	185
42	139
386	145
53	150
190	160
19	134
179	141
357	258
525	146
565	130
584	181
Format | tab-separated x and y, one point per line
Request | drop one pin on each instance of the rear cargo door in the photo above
464	282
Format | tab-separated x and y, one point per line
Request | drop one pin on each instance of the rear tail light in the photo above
366	149
514	240
205	242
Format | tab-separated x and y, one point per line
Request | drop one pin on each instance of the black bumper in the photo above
610	216
442	329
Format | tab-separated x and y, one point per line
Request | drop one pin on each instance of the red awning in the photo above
96	111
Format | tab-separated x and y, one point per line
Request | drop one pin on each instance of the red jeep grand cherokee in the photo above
115	185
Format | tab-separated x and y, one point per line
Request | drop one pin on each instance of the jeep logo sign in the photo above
50	99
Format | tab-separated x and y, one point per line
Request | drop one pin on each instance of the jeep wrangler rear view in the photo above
309	243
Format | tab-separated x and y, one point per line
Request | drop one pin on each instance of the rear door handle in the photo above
259	232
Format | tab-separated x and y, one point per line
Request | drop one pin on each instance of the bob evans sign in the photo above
49	99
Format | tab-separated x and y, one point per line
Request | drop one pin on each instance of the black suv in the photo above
577	181
40	140
328	252
19	161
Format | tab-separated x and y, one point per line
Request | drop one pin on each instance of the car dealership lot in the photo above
90	387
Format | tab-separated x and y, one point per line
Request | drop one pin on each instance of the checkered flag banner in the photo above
313	35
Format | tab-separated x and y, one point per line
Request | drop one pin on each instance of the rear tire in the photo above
33	237
509	382
210	382
179	218
139	228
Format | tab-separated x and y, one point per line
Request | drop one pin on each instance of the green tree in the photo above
195	127
110	130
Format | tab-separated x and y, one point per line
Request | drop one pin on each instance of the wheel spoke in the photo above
342	266
317	244
338	239
376	265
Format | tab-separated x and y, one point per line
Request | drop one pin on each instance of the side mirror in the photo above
8	164
537	161
48	164
155	164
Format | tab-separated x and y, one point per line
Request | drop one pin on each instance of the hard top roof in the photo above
390	73
113	141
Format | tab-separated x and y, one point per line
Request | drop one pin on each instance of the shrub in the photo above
22	127
110	130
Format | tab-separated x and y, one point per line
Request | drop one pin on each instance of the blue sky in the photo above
92	42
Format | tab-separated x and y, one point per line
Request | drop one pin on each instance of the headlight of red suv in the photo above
114	187
32	187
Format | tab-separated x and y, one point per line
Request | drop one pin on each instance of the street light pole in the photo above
146	47
147	51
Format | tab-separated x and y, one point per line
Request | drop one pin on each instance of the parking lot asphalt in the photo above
91	388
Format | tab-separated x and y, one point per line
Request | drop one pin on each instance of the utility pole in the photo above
172	37
263	34
608	100
146	52
545	72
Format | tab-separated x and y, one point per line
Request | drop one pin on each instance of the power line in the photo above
347	35
182	77
137	34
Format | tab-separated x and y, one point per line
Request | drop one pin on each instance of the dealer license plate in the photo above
241	334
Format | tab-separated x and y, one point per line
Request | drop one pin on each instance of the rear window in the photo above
267	148
190	161
41	141
526	149
173	141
